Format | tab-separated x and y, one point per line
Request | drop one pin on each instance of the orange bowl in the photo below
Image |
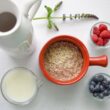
101	61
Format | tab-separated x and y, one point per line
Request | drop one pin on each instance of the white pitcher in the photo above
18	40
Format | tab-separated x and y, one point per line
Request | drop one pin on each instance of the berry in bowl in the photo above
99	86
100	34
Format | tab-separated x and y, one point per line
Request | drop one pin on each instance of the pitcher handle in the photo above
31	8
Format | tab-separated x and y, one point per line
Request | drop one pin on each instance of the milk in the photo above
19	85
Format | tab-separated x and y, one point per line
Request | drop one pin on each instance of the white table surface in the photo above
51	96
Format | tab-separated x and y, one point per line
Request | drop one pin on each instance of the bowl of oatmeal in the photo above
64	60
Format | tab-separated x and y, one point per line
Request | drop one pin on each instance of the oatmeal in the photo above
63	60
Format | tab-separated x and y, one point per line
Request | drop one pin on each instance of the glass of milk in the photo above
19	86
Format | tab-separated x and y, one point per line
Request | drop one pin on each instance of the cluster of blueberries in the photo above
99	86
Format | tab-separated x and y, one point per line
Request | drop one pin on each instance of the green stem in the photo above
39	18
76	16
42	18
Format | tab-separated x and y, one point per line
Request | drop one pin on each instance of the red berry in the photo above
100	42
105	41
96	31
105	34
102	27
94	38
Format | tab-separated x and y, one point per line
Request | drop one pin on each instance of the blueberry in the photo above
97	88
93	83
95	94
102	88
101	95
108	87
109	82
105	84
98	78
95	79
108	92
105	93
91	88
99	83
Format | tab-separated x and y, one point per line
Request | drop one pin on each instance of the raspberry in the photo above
96	31
105	41
94	38
102	27
105	34
100	42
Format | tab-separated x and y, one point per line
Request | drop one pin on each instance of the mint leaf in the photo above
49	11
49	24
55	26
58	6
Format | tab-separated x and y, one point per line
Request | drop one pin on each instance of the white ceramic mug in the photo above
18	41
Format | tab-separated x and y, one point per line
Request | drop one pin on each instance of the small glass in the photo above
91	94
91	33
9	99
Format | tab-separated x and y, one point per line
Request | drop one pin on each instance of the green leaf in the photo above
55	26
49	24
58	6
49	11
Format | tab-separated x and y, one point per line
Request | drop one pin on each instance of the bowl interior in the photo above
82	49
